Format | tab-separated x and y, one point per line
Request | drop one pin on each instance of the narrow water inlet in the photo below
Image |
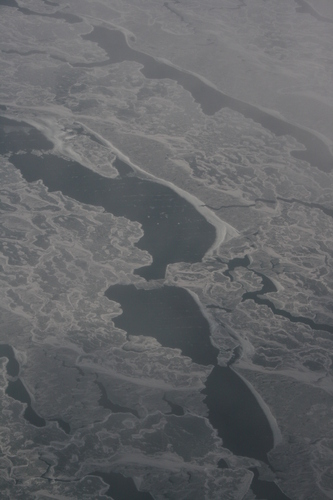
171	316
174	231
114	43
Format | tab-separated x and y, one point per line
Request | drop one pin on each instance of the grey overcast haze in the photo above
166	249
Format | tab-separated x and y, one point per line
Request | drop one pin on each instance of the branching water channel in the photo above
174	231
168	313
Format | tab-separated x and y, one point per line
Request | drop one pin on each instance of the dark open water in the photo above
174	231
171	316
121	487
175	320
211	100
12	367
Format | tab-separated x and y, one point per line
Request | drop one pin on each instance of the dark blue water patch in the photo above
175	409
12	367
62	424
234	411
20	136
314	366
222	464
255	296
325	210
3	107
267	284
52	4
170	315
174	231
28	53
121	487
66	16
214	306
174	11
266	490
16	390
33	418
106	403
233	263
211	100
81	131
236	355
9	3
123	168
305	8
269	287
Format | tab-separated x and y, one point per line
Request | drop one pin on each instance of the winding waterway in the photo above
17	390
114	43
211	100
173	231
171	316
12	366
121	487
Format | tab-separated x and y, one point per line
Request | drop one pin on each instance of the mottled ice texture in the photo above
128	404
